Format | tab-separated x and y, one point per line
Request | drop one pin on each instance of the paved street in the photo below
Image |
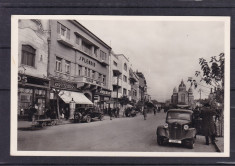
119	134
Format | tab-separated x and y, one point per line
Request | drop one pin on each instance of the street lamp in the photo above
72	105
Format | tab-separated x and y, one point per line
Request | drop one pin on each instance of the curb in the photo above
217	148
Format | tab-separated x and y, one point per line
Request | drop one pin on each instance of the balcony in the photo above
114	94
84	79
63	40
114	82
104	63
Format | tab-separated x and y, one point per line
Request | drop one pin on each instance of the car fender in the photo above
162	131
190	133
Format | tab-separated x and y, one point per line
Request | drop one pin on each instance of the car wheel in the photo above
43	124
88	119
160	140
101	117
53	123
191	144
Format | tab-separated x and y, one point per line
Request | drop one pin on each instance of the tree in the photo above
124	100
212	73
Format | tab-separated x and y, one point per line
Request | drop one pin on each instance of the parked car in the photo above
178	128
130	112
86	115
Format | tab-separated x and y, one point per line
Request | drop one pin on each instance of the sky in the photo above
164	51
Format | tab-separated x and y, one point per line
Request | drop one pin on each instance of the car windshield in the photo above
178	115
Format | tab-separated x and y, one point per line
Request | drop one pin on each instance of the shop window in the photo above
28	55
58	64
67	67
63	30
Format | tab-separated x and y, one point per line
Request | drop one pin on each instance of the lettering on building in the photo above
87	61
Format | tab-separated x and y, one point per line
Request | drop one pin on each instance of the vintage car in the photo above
130	112
178	128
86	115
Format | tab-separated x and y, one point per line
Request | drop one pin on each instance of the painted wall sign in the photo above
87	61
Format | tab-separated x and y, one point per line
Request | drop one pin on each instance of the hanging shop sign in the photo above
63	85
104	92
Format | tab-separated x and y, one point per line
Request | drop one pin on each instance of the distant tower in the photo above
182	94
190	96
174	97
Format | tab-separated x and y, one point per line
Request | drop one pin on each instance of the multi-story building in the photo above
119	73
33	85
78	63
142	86
134	81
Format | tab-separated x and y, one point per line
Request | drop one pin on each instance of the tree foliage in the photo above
212	73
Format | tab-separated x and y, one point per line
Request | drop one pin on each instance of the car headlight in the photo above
186	127
165	125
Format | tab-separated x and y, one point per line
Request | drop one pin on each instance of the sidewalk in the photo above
219	144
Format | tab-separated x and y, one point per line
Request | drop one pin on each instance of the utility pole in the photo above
200	91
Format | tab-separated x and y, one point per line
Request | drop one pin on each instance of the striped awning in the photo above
78	98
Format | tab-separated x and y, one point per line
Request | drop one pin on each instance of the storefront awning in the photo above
78	98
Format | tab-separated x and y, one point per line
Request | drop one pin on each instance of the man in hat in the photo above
208	124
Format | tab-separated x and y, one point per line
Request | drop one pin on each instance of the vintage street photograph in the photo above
120	86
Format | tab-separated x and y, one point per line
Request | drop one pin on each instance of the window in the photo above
89	73
77	40
125	67
85	71
58	64
99	77
67	66
124	78
28	55
124	91
93	74
102	55
63	30
79	70
96	51
104	79
86	48
114	63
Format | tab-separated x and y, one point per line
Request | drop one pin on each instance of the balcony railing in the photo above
114	94
62	39
90	81
114	81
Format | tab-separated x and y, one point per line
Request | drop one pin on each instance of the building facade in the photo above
142	86
78	61
134	81
33	85
183	96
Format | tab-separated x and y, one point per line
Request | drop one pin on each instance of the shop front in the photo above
101	99
65	97
32	91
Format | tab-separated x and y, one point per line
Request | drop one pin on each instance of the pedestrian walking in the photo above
118	110
208	124
154	111
110	112
145	113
